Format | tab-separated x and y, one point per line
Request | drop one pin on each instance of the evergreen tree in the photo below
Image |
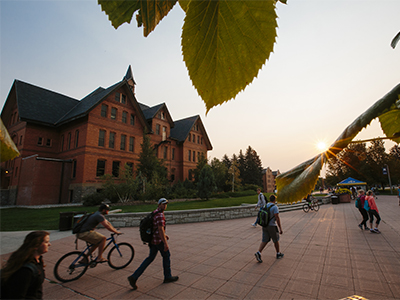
376	159
242	165
149	165
206	185
394	164
253	168
202	161
220	174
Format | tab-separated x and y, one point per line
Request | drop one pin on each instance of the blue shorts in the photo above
270	233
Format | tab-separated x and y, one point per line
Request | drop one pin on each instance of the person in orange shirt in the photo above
372	209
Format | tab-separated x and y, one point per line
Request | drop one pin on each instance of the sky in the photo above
332	60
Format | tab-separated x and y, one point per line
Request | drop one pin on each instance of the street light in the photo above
385	171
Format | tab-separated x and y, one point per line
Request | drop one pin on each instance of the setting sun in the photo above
322	146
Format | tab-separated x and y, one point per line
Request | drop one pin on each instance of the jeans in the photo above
152	255
364	215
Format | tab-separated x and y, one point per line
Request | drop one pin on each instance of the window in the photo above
198	139
131	143
62	143
102	136
124	117
158	129
101	167
20	140
162	116
113	113
40	141
123	141
111	140
164	133
16	172
115	168
190	155
117	97
132	120
123	99
73	169
165	152
173	154
76	138
104	109
48	142
190	137
194	155
69	141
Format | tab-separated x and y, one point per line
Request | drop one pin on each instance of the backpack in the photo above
264	216
358	203
79	224
146	228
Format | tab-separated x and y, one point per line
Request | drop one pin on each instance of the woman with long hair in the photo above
23	274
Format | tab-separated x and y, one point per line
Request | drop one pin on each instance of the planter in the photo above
344	198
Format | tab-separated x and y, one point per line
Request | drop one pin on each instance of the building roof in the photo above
41	105
182	129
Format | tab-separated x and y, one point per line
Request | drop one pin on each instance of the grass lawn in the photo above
18	219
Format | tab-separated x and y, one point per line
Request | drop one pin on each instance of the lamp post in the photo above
386	171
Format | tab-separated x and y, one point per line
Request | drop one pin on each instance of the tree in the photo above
376	159
394	164
149	165
234	175
220	174
206	185
253	168
202	161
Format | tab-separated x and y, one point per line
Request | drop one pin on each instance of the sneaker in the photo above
258	257
372	231
279	255
254	225
132	282
171	279
359	225
366	228
377	230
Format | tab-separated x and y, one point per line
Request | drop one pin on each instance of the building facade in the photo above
268	178
66	145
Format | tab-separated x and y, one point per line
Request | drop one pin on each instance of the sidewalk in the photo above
326	257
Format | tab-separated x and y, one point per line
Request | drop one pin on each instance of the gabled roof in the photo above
182	129
39	105
151	112
89	102
129	75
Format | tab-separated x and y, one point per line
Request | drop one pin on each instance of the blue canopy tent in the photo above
351	182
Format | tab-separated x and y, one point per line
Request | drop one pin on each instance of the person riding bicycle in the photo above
88	233
309	199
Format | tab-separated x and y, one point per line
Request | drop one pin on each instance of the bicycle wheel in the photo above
306	208
71	266
120	256
316	206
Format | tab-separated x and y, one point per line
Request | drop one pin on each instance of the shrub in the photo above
93	199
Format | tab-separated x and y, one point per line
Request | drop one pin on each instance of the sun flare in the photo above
322	146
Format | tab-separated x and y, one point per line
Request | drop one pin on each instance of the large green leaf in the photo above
295	184
150	12
8	149
225	44
390	123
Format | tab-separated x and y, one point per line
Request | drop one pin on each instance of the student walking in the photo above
158	243
372	209
23	275
363	212
271	231
260	204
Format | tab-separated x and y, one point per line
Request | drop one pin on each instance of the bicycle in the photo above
73	265
313	205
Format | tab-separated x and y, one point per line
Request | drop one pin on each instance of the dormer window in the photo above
162	116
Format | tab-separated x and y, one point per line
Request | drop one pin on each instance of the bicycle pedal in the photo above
93	264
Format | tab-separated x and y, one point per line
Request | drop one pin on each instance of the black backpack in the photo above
264	216
79	224
146	228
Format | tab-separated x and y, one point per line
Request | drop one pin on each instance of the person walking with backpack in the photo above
260	204
372	209
271	231
360	201
23	275
159	242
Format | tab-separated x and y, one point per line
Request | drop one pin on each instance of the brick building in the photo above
66	145
268	179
